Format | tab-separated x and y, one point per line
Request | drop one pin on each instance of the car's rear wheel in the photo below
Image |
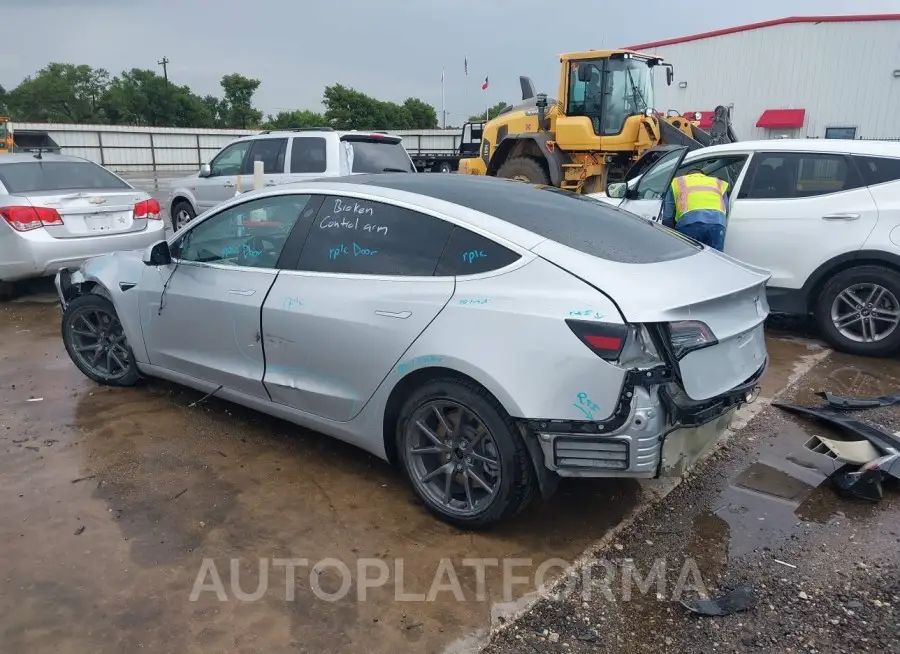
96	342
524	169
464	455
182	214
858	311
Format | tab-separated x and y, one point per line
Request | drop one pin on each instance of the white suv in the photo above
823	216
287	156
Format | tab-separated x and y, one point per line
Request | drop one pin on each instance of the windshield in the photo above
57	176
618	88
379	157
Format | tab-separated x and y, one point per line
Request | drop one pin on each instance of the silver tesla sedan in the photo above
488	335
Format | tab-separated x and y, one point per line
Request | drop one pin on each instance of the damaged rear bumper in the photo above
654	432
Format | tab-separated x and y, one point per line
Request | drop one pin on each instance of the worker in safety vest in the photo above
696	205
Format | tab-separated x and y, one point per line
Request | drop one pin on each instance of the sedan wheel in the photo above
182	214
96	342
859	311
464	455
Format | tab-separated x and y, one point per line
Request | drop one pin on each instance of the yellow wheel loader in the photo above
603	127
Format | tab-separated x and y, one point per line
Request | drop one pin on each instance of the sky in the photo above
389	49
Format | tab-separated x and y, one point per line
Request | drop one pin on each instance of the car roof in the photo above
314	131
24	157
873	148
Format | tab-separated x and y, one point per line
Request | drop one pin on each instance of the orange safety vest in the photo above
698	191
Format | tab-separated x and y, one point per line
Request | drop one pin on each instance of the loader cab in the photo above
607	88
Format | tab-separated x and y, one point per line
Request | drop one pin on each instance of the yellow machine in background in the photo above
603	126
6	137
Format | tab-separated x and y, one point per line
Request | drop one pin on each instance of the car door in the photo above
645	198
360	294
796	210
221	184
272	152
200	315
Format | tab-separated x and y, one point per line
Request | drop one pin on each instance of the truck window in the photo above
379	156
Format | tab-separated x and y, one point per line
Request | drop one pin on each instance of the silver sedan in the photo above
488	335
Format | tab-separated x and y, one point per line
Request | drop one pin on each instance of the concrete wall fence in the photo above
124	148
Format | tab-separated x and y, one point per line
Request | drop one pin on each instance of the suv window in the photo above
378	156
653	185
230	160
468	253
57	175
270	152
250	234
725	167
878	170
788	175
308	154
372	238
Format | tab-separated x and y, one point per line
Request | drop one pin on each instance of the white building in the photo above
815	76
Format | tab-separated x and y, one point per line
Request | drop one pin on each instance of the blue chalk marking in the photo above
587	313
472	255
358	251
364	252
473	301
584	404
291	303
426	360
234	250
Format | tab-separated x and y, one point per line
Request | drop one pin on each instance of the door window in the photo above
308	154
727	168
372	238
270	152
468	253
229	160
656	181
251	234
790	175
878	170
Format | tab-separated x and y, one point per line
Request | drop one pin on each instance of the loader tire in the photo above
525	169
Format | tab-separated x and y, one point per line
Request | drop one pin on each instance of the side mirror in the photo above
617	190
205	170
584	72
158	254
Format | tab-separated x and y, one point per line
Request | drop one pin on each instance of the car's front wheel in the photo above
464	455
96	342
858	311
182	214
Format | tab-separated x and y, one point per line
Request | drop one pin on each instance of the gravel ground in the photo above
824	575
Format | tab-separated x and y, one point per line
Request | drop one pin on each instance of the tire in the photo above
511	472
182	214
78	338
525	169
861	282
444	167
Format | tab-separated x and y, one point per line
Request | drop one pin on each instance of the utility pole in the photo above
165	63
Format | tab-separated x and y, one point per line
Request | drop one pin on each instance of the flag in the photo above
466	65
485	85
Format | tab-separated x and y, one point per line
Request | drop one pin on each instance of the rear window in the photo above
878	170
577	221
34	176
379	157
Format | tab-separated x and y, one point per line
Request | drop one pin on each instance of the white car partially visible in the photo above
823	216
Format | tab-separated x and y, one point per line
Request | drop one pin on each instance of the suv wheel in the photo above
464	455
182	214
858	311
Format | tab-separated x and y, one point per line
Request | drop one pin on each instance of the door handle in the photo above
841	216
403	315
228	184
246	292
270	183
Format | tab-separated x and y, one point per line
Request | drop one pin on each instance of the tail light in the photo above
689	335
606	340
25	219
148	209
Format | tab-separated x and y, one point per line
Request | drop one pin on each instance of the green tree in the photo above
347	108
141	97
61	93
238	91
494	112
3	109
294	120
